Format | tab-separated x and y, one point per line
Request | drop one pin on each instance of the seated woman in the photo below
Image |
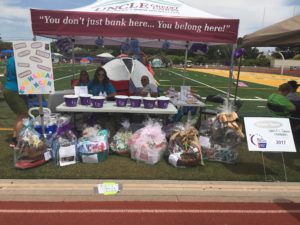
281	99
101	84
147	88
83	79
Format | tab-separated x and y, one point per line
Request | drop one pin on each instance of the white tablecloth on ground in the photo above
111	107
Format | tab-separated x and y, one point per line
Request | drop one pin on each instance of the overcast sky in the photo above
253	14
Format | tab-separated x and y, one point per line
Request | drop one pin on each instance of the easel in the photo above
283	163
270	135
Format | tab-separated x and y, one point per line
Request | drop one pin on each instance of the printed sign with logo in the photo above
33	67
267	134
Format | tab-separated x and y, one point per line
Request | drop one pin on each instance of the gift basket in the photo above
93	145
30	151
224	136
49	120
148	143
184	149
119	144
64	143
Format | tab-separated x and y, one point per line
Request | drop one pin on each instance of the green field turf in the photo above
248	167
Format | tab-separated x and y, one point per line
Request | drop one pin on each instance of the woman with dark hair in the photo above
101	84
84	78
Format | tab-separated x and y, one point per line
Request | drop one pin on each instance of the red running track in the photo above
154	213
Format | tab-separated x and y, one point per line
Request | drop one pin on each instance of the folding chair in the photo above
211	112
279	110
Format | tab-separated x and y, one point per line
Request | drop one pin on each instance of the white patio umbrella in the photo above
105	55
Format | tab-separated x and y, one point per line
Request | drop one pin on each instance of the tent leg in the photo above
185	59
238	78
73	59
41	114
234	46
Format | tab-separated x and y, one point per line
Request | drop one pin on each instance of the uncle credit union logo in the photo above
129	5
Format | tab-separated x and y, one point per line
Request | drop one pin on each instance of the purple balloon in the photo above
165	45
239	52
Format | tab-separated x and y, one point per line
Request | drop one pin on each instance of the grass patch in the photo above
247	168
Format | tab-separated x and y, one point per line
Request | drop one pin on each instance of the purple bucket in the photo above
85	99
135	101
71	100
149	102
121	100
163	102
97	101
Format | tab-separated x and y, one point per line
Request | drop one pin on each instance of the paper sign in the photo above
108	188
67	155
184	92
47	155
93	158
267	134
204	141
78	90
33	67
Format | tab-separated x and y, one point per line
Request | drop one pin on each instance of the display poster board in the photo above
267	134
33	67
184	92
79	90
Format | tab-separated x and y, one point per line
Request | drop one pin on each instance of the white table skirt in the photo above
111	107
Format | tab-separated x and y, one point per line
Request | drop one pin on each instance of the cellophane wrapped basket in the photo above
223	136
119	144
93	145
30	150
64	143
148	143
184	149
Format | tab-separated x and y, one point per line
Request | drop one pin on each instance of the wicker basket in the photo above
188	160
122	153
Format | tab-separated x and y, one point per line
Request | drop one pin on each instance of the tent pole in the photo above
73	59
238	78
185	59
234	46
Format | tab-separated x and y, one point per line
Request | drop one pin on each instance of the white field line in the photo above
178	74
147	211
224	92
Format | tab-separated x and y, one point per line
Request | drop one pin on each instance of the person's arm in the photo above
90	87
153	90
111	91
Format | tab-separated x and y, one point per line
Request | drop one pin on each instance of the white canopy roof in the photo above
152	22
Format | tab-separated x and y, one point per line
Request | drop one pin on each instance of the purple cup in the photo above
71	100
163	102
135	101
85	99
121	100
97	101
149	102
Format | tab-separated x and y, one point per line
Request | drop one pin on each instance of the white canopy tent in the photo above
167	23
149	21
